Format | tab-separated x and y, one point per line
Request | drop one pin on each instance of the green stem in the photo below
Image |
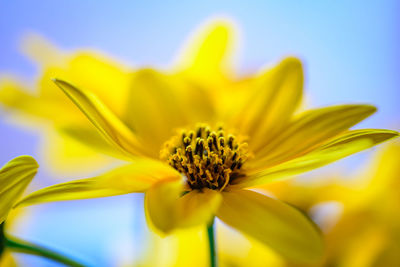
211	241
29	248
2	239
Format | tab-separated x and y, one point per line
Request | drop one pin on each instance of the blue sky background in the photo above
350	51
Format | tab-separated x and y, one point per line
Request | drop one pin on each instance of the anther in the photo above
221	141
234	156
189	153
186	141
233	165
230	141
199	132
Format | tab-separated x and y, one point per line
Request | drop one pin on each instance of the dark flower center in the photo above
208	158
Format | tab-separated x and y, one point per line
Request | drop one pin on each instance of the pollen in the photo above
208	158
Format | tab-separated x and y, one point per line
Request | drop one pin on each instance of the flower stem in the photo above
29	248
2	240
211	241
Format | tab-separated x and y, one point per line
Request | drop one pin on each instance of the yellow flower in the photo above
15	176
204	61
194	153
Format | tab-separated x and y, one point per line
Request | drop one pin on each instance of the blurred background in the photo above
349	49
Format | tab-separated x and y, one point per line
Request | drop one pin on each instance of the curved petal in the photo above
274	223
167	210
103	119
309	131
343	146
207	54
15	176
132	178
277	94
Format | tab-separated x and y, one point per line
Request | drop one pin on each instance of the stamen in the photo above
208	158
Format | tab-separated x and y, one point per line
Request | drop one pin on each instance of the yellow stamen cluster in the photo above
208	159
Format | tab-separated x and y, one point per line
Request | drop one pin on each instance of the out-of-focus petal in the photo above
41	50
276	94
309	131
103	119
207	54
167	210
272	222
135	177
15	176
343	146
14	98
159	104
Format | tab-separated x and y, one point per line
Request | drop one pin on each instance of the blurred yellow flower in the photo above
15	176
195	151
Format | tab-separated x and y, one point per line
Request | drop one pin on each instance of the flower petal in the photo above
159	104
274	223
198	207
15	176
15	98
277	94
103	119
309	131
343	146
207	54
167	210
135	177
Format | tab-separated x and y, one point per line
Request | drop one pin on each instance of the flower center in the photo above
208	158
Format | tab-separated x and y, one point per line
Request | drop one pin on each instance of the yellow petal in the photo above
159	104
104	77
207	54
103	119
275	96
167	210
15	176
343	146
41	50
272	222
198	207
15	98
135	177
310	130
